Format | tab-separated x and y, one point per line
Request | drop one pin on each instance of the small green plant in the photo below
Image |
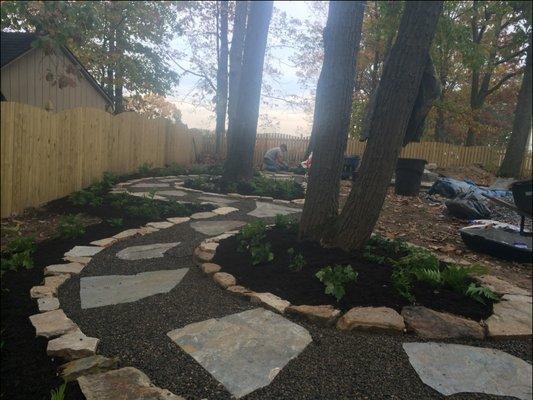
373	258
335	278
70	226
297	260
116	222
261	253
59	392
86	197
18	253
480	293
431	276
145	169
252	238
285	222
401	282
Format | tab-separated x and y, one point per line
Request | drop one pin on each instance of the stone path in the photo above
201	341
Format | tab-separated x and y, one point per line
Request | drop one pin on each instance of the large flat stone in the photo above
145	251
172	193
160	224
124	384
267	210
511	317
217	200
212	228
72	345
371	318
178	220
243	351
127	234
86	366
203	215
499	286
98	291
52	323
83	251
454	368
60	269
437	325
150	185
225	210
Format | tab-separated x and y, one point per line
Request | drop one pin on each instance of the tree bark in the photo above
235	62
239	163
396	95
516	147
119	72
222	78
331	119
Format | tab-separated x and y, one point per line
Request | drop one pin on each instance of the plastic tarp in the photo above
466	199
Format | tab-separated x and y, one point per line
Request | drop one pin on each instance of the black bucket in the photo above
523	195
409	173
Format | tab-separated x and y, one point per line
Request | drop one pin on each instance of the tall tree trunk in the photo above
440	126
395	98
235	61
222	78
119	72
516	147
333	104
239	164
110	66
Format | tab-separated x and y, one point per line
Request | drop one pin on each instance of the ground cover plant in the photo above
285	189
388	273
18	254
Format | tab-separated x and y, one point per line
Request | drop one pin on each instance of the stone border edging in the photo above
423	321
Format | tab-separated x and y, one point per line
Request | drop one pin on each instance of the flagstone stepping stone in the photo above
178	220
217	200
47	304
73	268
371	318
455	368
267	210
83	251
160	225
431	324
172	193
203	215
52	323
99	291
150	185
243	351
72	345
145	251
86	366
148	195
125	384
225	210
212	228
511	317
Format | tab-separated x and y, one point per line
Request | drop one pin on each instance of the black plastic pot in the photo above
409	173
523	195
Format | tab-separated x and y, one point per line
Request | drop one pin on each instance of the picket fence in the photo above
46	155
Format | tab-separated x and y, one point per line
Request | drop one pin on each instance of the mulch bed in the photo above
372	288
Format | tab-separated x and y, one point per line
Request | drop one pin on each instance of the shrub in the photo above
297	260
252	238
335	278
286	189
18	253
285	222
261	253
70	226
116	222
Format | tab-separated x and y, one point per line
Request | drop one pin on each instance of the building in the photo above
30	76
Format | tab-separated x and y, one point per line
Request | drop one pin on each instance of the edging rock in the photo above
52	323
86	366
72	346
323	314
371	318
224	279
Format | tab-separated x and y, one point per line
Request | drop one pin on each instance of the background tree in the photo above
153	106
222	74
332	113
517	144
239	163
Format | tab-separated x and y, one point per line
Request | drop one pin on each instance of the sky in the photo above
279	118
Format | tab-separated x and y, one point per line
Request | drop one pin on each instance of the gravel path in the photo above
336	365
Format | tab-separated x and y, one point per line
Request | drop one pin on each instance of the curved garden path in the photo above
199	341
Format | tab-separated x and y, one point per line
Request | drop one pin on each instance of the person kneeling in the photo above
273	159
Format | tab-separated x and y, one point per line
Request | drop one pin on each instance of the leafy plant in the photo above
285	222
59	392
335	278
297	260
18	253
70	226
252	233
261	253
86	197
431	276
481	293
401	281
286	189
116	222
145	169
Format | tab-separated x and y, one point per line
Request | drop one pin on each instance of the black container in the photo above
350	166
523	195
409	173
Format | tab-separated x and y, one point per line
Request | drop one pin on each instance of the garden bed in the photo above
374	285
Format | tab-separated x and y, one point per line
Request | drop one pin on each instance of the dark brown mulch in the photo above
372	288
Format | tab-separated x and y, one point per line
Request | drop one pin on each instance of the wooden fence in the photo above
443	154
45	156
